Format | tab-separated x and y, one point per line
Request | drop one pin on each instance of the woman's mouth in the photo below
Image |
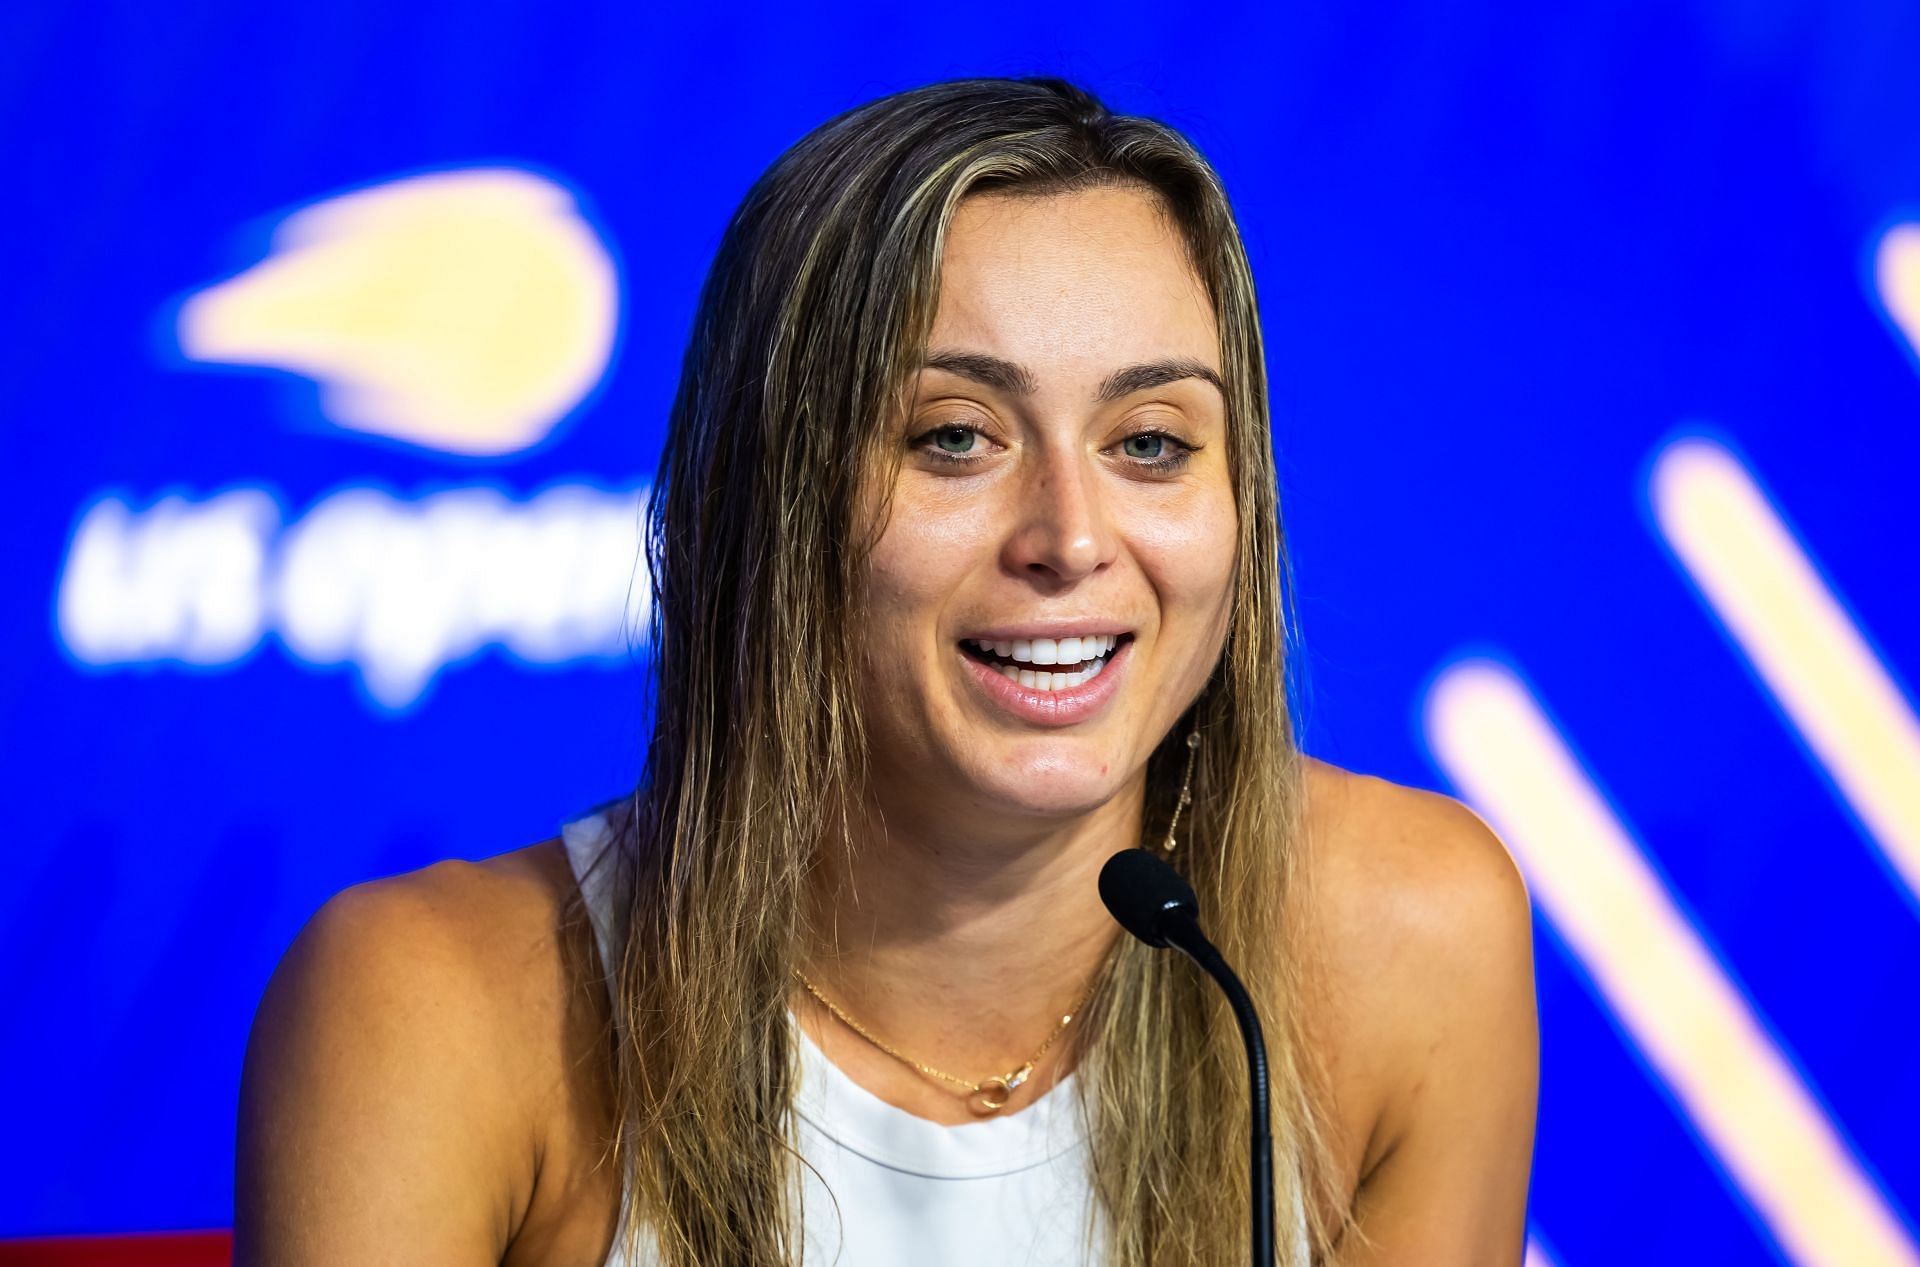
1047	664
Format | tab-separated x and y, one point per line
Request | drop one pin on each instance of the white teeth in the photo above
1043	681
1087	651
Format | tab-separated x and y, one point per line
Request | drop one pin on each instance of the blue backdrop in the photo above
1508	254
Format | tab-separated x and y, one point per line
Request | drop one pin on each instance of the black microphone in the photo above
1153	902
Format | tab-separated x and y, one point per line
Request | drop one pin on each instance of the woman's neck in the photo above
960	942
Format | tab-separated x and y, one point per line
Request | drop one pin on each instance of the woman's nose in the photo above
1062	530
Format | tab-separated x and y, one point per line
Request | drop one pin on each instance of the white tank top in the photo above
882	1187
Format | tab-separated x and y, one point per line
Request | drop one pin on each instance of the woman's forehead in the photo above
1089	279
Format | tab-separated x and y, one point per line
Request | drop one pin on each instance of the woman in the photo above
964	549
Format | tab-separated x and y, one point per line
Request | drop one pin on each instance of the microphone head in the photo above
1142	892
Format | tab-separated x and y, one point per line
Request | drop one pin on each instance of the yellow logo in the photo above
463	311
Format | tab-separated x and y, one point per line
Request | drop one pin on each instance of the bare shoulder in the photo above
1397	868
1423	936
407	1068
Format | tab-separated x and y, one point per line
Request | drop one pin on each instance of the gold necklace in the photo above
986	1097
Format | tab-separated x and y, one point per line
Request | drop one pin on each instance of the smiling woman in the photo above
1092	496
969	574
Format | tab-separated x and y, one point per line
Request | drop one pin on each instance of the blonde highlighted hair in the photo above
810	328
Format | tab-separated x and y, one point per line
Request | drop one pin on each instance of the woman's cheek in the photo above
928	546
1189	549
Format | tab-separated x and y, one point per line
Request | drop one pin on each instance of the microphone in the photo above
1153	902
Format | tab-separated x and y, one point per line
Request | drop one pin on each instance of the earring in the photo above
1186	790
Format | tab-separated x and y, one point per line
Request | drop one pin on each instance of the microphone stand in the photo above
1183	933
1151	900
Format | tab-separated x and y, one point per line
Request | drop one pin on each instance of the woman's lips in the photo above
1064	707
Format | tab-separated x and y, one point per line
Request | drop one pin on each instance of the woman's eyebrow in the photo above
1016	380
1137	378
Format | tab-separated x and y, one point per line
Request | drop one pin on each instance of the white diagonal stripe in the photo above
1695	1027
1799	639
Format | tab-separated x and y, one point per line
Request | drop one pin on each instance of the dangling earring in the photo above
1186	789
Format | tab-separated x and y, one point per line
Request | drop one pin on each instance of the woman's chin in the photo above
1052	794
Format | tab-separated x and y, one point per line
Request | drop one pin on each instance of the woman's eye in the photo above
958	444
1156	452
955	439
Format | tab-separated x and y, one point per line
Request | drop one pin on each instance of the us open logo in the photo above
466	314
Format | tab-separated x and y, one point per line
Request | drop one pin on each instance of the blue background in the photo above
1505	251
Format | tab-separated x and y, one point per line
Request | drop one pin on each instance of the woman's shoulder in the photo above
481	936
1422	946
426	1028
1419	860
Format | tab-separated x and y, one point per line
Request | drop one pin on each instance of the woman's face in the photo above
1063	479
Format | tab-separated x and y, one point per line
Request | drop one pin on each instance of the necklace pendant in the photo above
1018	1076
990	1097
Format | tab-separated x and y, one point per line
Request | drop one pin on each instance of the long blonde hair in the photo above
808	332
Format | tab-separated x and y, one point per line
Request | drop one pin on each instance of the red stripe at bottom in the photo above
148	1249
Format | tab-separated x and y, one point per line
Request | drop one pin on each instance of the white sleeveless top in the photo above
882	1187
